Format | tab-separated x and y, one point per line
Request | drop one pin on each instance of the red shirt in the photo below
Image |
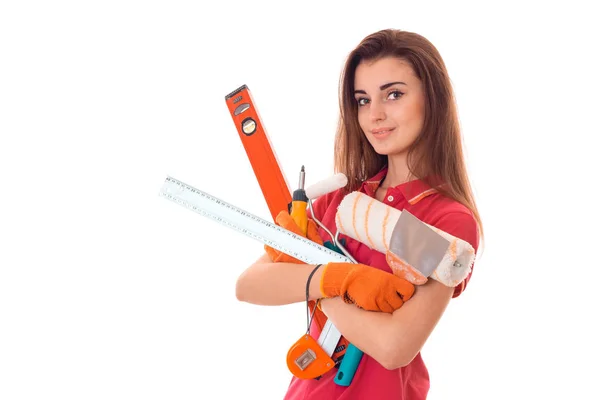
373	381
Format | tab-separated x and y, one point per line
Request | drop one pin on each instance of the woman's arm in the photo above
395	339
272	284
391	339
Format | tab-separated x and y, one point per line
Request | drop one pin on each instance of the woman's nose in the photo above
376	111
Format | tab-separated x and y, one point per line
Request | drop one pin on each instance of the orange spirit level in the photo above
258	148
306	359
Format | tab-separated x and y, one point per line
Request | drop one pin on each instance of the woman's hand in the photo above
285	220
366	287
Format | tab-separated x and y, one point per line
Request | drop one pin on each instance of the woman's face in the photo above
391	104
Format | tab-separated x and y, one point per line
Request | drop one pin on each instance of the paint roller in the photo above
414	250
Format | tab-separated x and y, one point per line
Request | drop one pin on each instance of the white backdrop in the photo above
109	291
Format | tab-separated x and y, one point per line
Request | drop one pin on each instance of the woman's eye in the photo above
362	101
394	95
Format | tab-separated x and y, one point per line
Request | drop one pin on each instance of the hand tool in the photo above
328	185
259	151
299	203
247	223
305	359
414	250
272	180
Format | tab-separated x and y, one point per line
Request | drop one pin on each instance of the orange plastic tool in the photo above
307	360
258	148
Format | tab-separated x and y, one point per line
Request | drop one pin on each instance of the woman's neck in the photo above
397	172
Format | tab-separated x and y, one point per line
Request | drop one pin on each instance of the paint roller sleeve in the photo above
373	223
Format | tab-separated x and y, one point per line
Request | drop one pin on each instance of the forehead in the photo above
371	74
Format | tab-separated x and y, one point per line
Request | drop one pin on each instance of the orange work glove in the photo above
284	219
366	287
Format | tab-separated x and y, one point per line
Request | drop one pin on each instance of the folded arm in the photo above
391	339
270	283
394	339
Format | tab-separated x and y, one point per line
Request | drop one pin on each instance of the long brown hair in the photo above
440	141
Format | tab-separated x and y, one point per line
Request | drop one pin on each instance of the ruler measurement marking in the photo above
247	223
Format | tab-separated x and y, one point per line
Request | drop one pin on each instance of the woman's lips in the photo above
380	133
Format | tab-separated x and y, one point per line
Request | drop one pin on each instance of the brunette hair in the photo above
440	143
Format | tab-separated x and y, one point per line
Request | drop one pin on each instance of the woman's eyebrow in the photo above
387	85
382	87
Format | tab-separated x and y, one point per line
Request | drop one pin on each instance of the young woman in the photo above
398	141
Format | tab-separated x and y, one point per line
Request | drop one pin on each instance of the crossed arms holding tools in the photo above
369	306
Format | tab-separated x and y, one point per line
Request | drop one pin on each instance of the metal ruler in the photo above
259	229
248	224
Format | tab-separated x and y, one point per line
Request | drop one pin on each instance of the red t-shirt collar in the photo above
413	191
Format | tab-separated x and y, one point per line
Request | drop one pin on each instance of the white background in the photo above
108	291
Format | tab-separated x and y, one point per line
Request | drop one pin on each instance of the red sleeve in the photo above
463	226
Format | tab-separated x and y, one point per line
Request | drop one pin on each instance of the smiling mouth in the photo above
381	131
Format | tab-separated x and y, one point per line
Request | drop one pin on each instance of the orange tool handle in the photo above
299	216
299	203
